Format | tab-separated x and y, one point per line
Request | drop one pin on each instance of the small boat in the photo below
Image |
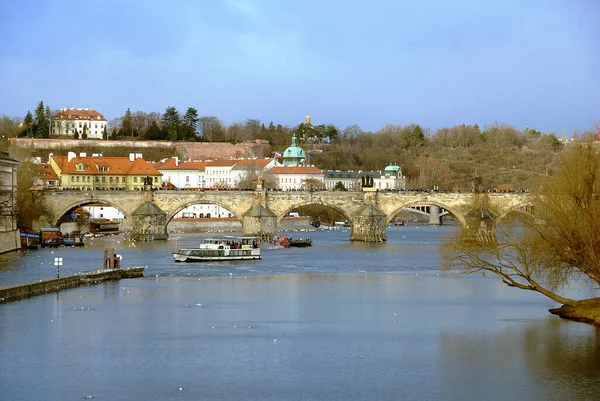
221	248
300	242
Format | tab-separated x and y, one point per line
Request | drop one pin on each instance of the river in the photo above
336	321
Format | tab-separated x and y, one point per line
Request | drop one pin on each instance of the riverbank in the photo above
22	291
586	311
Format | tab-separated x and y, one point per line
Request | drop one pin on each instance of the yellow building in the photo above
104	173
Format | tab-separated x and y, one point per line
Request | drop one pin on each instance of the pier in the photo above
22	291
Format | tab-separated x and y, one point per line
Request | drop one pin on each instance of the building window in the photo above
187	178
123	179
134	179
72	179
103	179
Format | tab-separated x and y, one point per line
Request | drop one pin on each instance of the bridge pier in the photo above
148	223
369	225
481	227
259	221
434	216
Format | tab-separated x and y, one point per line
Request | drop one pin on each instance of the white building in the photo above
211	174
200	211
68	121
292	178
181	174
101	211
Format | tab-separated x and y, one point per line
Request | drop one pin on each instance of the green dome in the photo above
293	155
392	168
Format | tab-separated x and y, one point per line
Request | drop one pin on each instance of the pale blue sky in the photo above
436	63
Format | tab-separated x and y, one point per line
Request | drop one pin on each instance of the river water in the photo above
337	321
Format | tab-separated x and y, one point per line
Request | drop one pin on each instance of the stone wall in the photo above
9	241
188	150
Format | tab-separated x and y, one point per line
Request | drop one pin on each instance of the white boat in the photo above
221	248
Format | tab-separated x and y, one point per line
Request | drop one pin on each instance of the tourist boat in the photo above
300	242
221	248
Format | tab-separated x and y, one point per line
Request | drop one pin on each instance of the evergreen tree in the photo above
113	134
170	122
127	126
49	120
85	130
154	133
28	120
40	123
190	123
76	134
104	133
272	127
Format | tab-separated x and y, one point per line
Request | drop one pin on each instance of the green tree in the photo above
339	186
75	133
104	133
28	120
562	241
84	134
154	132
114	135
127	124
40	122
190	123
170	122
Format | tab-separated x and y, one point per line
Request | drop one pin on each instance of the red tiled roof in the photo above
116	166
296	170
79	114
46	172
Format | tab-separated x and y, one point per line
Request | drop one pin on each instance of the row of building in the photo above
285	172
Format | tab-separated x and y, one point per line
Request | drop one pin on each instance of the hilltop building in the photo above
68	121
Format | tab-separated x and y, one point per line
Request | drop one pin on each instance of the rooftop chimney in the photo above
71	156
131	157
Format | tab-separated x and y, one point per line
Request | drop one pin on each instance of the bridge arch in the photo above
178	208
525	208
453	211
84	202
310	202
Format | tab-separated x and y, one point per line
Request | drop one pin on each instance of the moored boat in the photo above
300	242
221	248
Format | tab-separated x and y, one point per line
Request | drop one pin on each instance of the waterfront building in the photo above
68	121
294	155
9	235
223	174
351	180
97	172
389	179
178	174
293	178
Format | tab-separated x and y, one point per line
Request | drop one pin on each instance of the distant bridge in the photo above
368	212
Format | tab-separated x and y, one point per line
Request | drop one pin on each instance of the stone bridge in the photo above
368	212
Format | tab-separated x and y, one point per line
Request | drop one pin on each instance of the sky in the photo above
533	63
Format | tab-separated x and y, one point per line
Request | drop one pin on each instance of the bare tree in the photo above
562	242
